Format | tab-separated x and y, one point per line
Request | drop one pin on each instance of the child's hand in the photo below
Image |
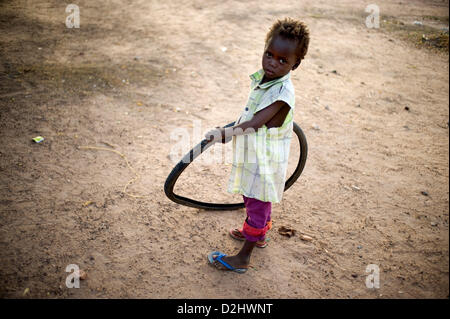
217	134
214	135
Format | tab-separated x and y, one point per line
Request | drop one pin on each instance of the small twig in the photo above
108	144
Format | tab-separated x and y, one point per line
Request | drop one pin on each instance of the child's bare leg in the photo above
237	234
255	227
241	259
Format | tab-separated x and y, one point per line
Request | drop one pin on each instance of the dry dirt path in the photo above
135	71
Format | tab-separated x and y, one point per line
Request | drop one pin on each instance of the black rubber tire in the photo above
200	148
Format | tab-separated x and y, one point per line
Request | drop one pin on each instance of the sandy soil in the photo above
375	188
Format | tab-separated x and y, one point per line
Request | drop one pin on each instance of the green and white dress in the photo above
260	158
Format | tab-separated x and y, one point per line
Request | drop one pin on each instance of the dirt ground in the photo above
373	104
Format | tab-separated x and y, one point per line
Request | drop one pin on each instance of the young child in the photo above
261	139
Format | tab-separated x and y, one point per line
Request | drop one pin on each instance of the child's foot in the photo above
237	234
236	262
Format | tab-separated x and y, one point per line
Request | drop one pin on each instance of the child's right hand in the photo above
212	133
219	132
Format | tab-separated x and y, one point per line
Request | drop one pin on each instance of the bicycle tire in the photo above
200	148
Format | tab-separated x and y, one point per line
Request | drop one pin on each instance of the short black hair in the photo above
294	30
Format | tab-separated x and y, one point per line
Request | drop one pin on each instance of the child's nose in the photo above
273	63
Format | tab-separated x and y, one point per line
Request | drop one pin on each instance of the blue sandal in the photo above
219	257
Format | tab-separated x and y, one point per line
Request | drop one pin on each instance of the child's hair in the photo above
294	30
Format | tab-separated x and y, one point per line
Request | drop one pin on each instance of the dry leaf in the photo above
285	231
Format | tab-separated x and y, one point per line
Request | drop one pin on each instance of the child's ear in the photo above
296	64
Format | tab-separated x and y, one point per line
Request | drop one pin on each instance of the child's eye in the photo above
268	54
282	61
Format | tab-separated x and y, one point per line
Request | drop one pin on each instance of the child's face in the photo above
279	57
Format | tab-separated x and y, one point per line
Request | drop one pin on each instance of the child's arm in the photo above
258	120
